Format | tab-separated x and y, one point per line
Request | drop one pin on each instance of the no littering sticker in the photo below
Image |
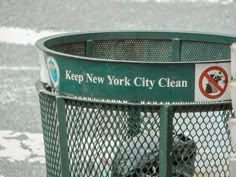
212	82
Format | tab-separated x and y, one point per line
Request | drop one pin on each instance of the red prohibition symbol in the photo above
213	82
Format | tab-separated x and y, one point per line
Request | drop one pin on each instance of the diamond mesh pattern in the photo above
204	51
133	50
123	140
77	48
50	135
105	140
208	128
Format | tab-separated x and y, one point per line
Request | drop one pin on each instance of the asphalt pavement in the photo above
20	122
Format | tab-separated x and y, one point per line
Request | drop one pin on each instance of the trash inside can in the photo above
145	104
139	156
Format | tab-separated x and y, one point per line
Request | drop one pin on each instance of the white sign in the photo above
211	82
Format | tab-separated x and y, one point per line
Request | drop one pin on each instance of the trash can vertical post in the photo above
89	48
133	122
166	139
176	49
60	106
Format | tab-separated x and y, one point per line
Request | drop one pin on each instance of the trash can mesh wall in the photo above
147	50
207	127
111	140
50	134
75	48
123	140
136	50
203	51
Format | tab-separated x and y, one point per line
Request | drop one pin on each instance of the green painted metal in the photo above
106	121
75	37
50	132
166	141
122	98
134	122
176	50
60	105
133	66
89	49
126	80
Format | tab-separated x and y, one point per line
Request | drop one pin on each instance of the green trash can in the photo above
135	104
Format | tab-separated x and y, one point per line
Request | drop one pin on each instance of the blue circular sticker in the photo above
53	71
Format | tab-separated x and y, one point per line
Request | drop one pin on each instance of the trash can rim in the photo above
146	35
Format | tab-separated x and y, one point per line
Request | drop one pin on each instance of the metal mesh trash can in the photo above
135	104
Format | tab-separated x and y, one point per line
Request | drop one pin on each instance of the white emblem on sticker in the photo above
53	71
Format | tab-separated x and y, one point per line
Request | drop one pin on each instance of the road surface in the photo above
23	22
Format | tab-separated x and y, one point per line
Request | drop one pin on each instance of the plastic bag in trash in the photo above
139	157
